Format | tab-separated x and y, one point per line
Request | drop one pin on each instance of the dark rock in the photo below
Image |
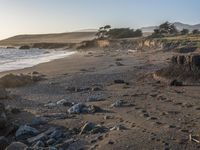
16	146
3	142
38	121
15	110
176	83
38	145
71	89
40	137
119	81
51	141
95	98
24	47
56	134
25	130
65	144
3	118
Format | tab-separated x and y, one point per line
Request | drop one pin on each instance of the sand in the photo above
156	116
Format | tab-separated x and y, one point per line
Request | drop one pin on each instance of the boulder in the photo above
26	131
38	121
16	146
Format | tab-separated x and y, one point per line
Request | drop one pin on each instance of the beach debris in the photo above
118	103
92	128
82	108
118	128
96	89
25	130
50	105
191	138
16	146
63	102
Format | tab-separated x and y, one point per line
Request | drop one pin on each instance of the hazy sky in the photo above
47	16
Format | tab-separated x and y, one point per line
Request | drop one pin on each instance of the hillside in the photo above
178	25
71	37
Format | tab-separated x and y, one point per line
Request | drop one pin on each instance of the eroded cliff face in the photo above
122	44
140	44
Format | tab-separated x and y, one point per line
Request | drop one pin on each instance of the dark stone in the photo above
119	81
25	47
3	142
176	83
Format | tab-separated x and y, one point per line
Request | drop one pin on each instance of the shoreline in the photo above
37	65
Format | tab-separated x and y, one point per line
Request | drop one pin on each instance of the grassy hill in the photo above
71	37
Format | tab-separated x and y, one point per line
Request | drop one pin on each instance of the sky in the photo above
55	16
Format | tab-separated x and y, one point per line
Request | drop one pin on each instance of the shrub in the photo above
124	33
185	31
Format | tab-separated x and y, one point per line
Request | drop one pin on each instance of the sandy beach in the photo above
152	116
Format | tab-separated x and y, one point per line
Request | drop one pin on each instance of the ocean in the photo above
13	59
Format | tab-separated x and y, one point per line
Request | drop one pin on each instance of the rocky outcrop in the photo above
183	70
191	62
